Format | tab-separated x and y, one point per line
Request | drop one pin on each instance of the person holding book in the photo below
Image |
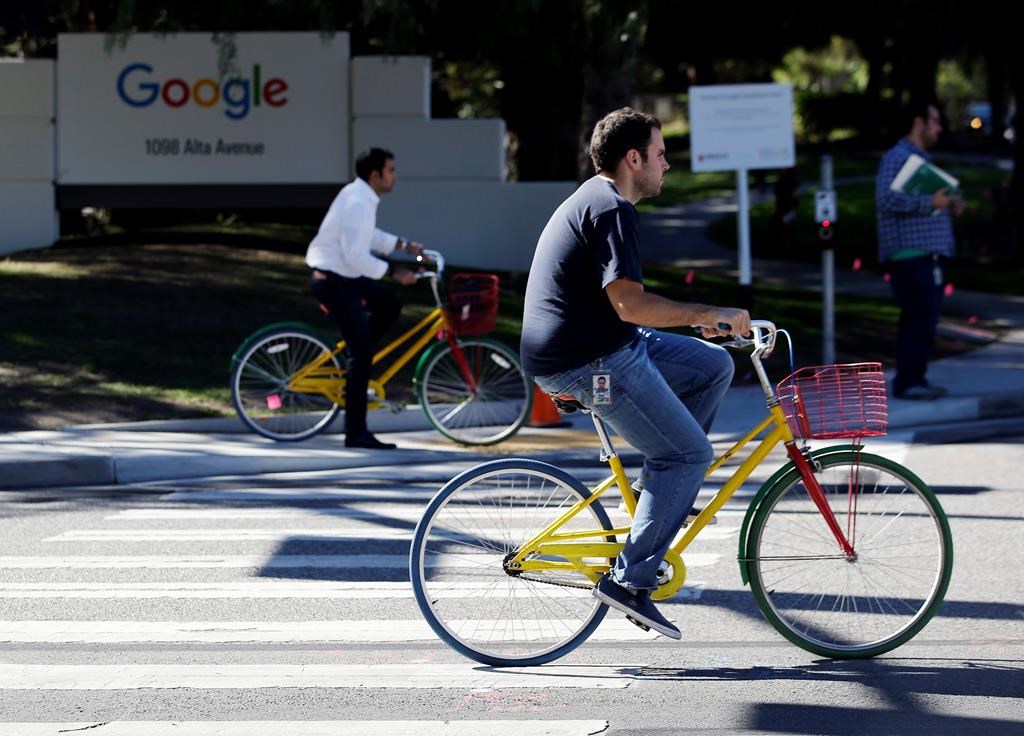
915	200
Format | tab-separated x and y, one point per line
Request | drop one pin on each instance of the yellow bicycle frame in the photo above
319	377
535	554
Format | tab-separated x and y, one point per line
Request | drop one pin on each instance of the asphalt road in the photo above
284	599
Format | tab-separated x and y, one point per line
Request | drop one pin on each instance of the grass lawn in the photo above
96	333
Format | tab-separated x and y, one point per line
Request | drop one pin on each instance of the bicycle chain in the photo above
552	582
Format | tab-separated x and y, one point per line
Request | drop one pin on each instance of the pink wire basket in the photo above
833	401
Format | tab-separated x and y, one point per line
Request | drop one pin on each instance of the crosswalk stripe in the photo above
380	676
347	631
375	533
311	728
403	494
695	559
291	495
387	511
349	590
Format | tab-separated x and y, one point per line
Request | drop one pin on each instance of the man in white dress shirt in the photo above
346	276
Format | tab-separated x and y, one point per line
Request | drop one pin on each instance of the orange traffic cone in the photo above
544	412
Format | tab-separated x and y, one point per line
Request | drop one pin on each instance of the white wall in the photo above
451	192
437	149
28	218
398	86
476	224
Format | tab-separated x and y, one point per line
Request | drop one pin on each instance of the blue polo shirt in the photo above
592	239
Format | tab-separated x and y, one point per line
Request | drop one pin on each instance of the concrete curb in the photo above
61	459
410	419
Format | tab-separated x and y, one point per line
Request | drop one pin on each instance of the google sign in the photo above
137	87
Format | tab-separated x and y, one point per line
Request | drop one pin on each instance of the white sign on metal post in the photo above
741	126
158	110
738	127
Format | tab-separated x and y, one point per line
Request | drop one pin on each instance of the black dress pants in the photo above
917	284
364	309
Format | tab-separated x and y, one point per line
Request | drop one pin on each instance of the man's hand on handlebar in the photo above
413	247
404	276
726	321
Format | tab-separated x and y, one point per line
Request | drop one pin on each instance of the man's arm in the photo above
898	203
638	307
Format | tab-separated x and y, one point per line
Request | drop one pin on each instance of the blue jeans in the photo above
665	390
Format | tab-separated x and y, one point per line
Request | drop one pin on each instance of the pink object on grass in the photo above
273	401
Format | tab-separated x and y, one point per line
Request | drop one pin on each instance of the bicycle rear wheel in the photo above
259	386
489	412
826	604
456	565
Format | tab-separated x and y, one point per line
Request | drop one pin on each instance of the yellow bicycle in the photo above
847	554
288	380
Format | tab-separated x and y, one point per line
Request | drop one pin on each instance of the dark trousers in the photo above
364	309
917	284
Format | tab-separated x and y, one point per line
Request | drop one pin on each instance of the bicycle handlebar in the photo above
763	337
430	257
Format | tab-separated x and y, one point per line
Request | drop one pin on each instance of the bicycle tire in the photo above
259	386
498	407
821	602
476	607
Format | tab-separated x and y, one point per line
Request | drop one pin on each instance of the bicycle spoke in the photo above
518	616
870	602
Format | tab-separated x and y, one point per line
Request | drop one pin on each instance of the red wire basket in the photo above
472	303
830	401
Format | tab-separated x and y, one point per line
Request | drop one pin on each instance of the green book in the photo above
921	177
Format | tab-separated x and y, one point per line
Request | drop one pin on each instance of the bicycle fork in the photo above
463	364
817	495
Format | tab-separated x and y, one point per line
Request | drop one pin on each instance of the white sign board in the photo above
825	209
741	126
160	110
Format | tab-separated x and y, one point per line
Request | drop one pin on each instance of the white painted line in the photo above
310	728
348	590
291	495
371	533
347	562
406	676
347	631
388	511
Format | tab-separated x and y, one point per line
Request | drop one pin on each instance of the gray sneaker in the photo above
637	607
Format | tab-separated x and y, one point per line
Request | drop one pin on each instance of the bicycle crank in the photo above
671	574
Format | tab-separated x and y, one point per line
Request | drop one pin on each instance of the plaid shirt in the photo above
906	220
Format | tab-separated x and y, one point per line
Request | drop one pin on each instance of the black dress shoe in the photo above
368	442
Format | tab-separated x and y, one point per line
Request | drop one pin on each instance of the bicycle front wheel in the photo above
478	396
259	386
456	565
823	602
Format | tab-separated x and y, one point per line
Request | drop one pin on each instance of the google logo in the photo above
137	88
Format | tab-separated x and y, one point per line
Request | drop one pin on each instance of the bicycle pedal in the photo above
633	621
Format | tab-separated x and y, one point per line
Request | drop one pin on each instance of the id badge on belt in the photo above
601	388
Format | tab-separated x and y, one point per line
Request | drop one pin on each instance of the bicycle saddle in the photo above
567	404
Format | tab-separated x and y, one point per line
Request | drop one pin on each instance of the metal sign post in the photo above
743	221
825	214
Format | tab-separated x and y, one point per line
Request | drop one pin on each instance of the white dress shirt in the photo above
349	235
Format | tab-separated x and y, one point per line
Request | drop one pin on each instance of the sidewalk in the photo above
986	397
